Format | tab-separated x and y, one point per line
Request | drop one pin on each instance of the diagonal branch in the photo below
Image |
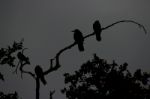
56	58
51	68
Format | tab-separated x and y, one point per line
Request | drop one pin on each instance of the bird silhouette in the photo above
78	37
97	30
39	73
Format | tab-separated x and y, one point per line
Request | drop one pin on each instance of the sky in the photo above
46	27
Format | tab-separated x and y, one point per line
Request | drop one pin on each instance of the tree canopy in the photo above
97	79
9	96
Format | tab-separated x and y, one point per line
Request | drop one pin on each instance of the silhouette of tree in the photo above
16	52
9	96
6	55
97	79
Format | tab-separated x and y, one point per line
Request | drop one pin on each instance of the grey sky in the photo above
46	26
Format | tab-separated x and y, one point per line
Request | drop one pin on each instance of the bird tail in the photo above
81	47
98	37
43	80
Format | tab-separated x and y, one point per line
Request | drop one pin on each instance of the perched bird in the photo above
78	37
97	30
39	73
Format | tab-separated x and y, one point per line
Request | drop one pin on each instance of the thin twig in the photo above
26	72
126	21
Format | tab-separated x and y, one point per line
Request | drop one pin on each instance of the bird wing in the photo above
78	37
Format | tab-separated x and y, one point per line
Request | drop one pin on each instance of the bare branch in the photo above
23	60
51	68
87	36
26	72
51	94
56	58
126	21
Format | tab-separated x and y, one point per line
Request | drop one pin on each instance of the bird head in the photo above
38	66
76	30
97	21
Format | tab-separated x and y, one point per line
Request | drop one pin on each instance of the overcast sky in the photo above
46	27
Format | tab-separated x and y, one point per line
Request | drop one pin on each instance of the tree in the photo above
97	79
7	57
16	52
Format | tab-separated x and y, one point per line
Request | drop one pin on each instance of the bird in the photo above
39	73
79	39
97	30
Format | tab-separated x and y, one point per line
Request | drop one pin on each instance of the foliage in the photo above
97	79
15	52
6	55
9	96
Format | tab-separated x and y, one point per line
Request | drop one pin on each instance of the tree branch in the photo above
26	72
56	58
126	21
87	36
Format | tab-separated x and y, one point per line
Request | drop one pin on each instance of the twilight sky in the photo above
46	27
